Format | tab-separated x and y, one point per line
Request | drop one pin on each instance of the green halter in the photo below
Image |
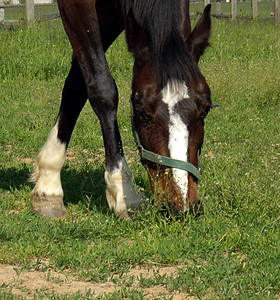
162	160
166	161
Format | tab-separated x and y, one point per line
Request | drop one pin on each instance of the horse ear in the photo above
186	28
136	36
197	41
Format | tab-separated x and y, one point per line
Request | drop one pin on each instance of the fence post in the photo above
233	9
2	15
218	7
206	2
277	12
255	8
30	11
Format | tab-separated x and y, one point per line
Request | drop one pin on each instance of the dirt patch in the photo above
27	283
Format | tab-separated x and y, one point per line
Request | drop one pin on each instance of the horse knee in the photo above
104	98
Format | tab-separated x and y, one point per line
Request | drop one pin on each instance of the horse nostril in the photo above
196	208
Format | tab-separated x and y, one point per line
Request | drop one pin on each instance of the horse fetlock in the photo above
49	206
122	198
120	192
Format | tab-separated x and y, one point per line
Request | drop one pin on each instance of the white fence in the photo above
29	12
15	2
30	8
254	5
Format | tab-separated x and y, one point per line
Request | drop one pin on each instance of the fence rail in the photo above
254	8
30	16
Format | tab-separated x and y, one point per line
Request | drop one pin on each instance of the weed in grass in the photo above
124	293
8	296
55	279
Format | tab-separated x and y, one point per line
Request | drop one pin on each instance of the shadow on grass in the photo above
84	186
14	177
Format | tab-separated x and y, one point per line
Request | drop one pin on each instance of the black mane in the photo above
162	22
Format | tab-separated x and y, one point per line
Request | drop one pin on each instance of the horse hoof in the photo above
130	211
48	206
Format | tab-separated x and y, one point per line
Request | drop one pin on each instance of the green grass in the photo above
233	251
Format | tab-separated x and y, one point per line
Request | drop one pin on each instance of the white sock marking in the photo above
120	193
50	161
178	143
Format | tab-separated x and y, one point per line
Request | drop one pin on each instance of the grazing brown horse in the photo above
170	99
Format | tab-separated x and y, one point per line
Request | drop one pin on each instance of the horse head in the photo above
170	99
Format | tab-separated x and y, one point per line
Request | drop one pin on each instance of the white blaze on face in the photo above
173	93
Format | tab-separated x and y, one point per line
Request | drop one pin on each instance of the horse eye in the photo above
136	96
203	115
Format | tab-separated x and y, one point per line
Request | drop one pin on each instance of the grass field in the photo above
232	252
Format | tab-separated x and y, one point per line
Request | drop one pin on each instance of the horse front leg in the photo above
47	195
120	192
